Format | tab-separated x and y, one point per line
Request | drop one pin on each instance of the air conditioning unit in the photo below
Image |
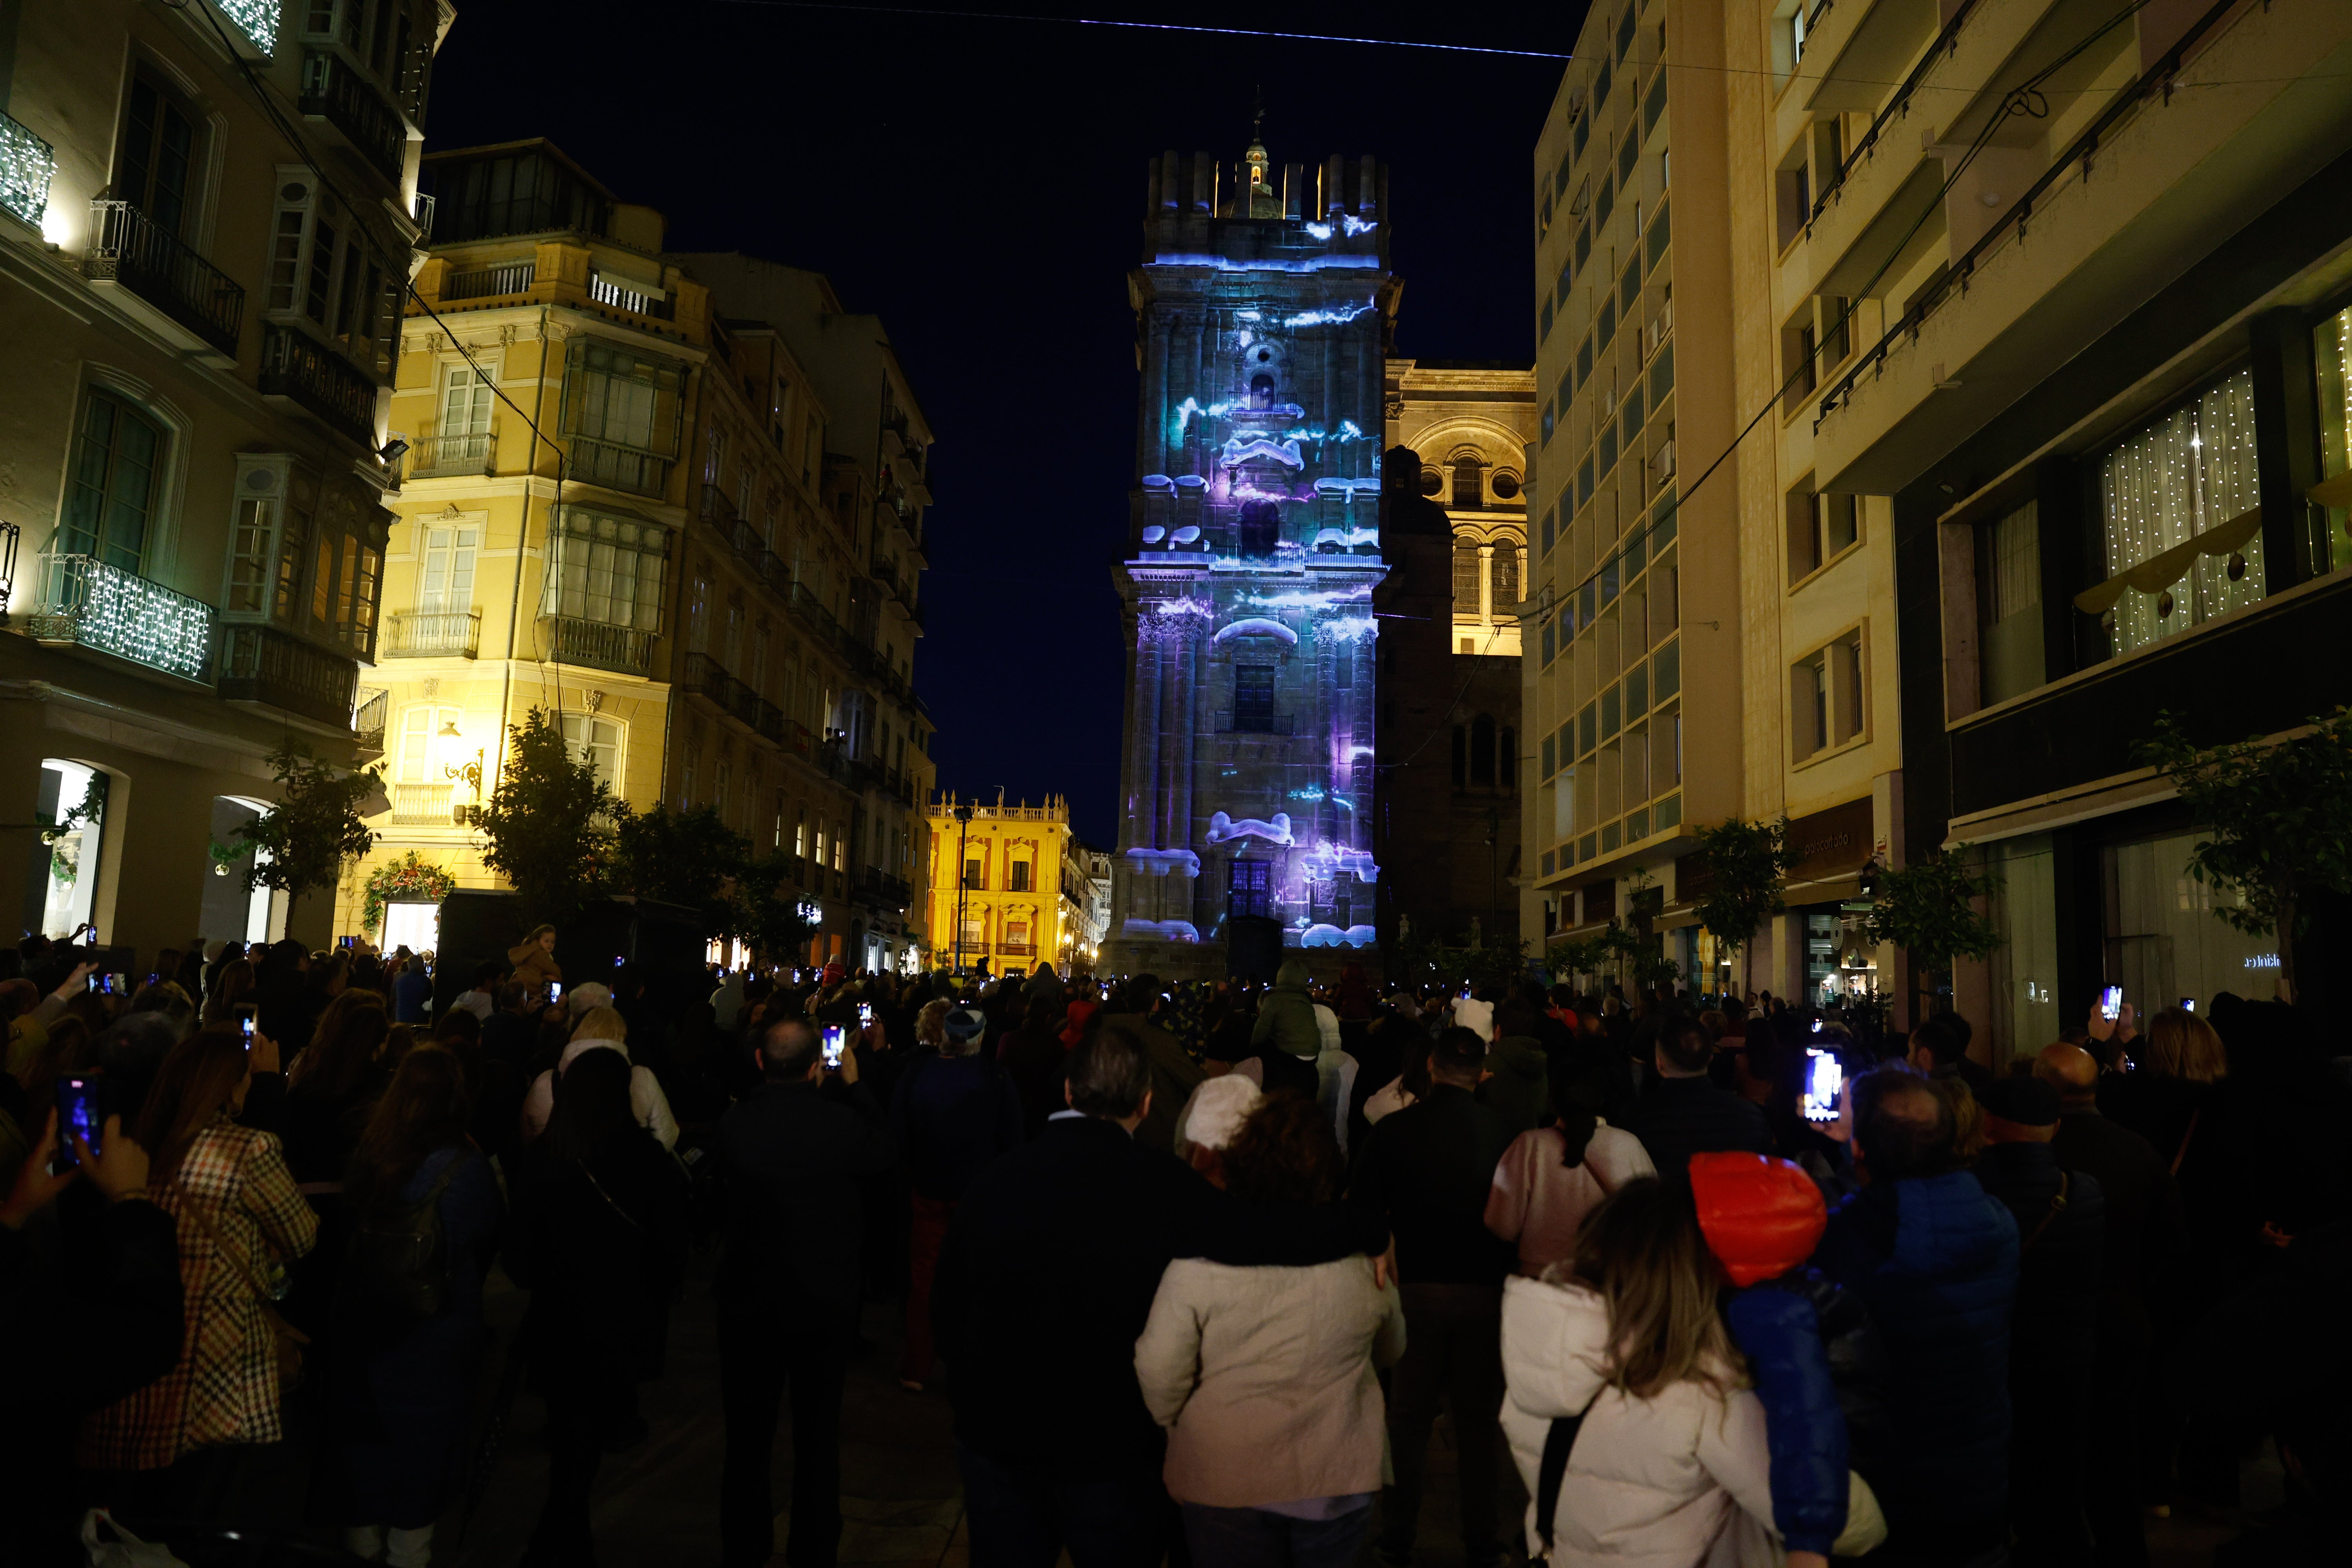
1665	461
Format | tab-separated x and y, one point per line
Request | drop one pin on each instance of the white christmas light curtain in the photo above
2189	470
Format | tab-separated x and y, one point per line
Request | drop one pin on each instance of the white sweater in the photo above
1674	1482
646	1096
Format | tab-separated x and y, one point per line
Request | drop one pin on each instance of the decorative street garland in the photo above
410	878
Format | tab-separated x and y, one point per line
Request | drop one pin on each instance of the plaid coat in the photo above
225	1388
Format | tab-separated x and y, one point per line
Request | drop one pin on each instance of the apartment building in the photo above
625	504
2096	390
1633	688
1030	892
207	220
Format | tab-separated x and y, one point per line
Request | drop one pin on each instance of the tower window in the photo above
1261	392
1260	525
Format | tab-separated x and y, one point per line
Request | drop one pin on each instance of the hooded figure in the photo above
728	1000
1809	1344
1286	1019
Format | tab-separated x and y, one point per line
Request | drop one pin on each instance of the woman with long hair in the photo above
240	1225
408	1315
1267	1377
1621	1356
599	1239
1551	1177
330	1090
232	985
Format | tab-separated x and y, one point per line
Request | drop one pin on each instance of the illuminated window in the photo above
447	583
597	742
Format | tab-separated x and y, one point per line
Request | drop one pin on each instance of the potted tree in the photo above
316	826
1928	909
1747	868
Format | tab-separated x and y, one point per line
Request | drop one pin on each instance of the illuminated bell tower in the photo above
1264	306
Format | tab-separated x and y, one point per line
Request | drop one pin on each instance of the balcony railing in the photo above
11	536
1232	723
87	603
369	713
27	164
618	467
433	634
471	453
625	650
1016	950
333	91
130	249
489	282
265	665
621	297
423	214
875	886
420	805
298	366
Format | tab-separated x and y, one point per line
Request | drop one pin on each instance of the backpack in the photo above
398	1264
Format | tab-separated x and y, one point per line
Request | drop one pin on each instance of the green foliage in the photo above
1615	951
688	858
767	909
1493	962
411	876
548	826
1928	909
315	827
1747	865
2275	820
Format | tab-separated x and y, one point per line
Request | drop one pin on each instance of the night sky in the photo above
979	184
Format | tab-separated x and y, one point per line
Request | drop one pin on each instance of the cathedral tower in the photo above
1264	304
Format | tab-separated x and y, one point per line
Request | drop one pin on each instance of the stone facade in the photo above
1264	304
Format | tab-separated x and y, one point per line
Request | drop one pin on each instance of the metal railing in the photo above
625	650
2126	101
422	212
370	712
27	164
606	291
1016	948
490	282
333	91
420	805
130	248
1897	108
295	366
618	467
86	602
1232	723
472	452
262	664
11	536
433	634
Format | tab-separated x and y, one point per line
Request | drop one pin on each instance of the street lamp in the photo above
451	746
963	878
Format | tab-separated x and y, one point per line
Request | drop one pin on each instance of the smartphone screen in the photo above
835	1040
97	983
245	1023
2189	1004
2111	1002
554	991
1824	1076
1817	1026
78	1113
865	1012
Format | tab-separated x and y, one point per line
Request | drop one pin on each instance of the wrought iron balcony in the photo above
369	714
298	366
334	92
621	297
1229	723
86	603
130	249
1016	948
618	467
433	634
474	452
262	664
421	805
489	282
27	164
625	650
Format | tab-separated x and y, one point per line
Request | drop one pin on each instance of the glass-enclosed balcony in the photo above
85	603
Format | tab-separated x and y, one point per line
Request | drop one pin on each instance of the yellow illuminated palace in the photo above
1027	891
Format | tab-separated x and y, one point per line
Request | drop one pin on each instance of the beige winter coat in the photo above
1677	1480
1265	1378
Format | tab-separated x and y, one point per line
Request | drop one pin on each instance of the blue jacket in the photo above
1818	1369
1935	1259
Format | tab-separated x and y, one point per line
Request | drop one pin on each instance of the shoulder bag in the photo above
288	1339
1559	1443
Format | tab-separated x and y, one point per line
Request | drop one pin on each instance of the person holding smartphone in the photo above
794	1157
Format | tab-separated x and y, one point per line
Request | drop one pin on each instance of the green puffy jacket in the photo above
1286	1019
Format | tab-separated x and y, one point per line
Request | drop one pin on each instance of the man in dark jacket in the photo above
1934	1260
952	1113
1174	1075
1044	1285
791	1158
1426	1171
2144	1231
2055	1336
1681	1114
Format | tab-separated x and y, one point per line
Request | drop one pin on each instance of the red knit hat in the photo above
1761	1216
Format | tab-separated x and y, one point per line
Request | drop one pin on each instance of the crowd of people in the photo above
1198	1266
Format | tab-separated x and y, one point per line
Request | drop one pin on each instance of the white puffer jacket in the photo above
1676	1481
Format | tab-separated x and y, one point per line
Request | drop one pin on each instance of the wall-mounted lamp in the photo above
452	747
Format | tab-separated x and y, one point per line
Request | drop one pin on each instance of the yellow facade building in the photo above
654	521
1027	894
